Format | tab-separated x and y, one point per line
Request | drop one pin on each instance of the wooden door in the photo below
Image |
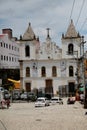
49	86
28	87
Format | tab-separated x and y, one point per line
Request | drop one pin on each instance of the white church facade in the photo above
46	67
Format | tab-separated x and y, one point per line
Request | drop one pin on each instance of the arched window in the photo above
70	70
54	71
43	71
27	50
70	48
27	72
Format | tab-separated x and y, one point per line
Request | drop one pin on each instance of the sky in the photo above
43	14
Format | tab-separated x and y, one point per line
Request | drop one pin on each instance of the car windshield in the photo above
6	93
24	93
40	100
15	93
54	99
31	94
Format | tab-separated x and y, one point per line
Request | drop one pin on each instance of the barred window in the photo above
54	71
27	71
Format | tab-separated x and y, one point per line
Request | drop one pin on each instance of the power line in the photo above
72	10
83	24
80	12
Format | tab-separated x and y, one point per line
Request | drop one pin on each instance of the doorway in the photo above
72	88
28	87
49	87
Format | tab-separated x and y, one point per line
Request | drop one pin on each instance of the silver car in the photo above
55	100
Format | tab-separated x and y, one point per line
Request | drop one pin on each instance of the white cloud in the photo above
16	14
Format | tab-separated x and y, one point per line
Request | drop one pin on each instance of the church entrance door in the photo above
49	87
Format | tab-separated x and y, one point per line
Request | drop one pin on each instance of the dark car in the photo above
24	96
7	95
31	96
15	96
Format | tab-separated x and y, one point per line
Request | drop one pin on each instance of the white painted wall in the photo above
5	51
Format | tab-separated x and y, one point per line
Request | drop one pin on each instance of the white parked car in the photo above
54	100
41	102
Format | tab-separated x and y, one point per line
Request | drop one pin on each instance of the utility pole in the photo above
83	72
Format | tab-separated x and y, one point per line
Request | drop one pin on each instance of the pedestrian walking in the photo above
2	103
82	98
8	103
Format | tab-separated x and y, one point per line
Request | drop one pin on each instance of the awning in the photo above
16	83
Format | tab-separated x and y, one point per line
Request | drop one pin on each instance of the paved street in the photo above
24	116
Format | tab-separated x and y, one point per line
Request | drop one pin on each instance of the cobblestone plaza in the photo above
24	116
